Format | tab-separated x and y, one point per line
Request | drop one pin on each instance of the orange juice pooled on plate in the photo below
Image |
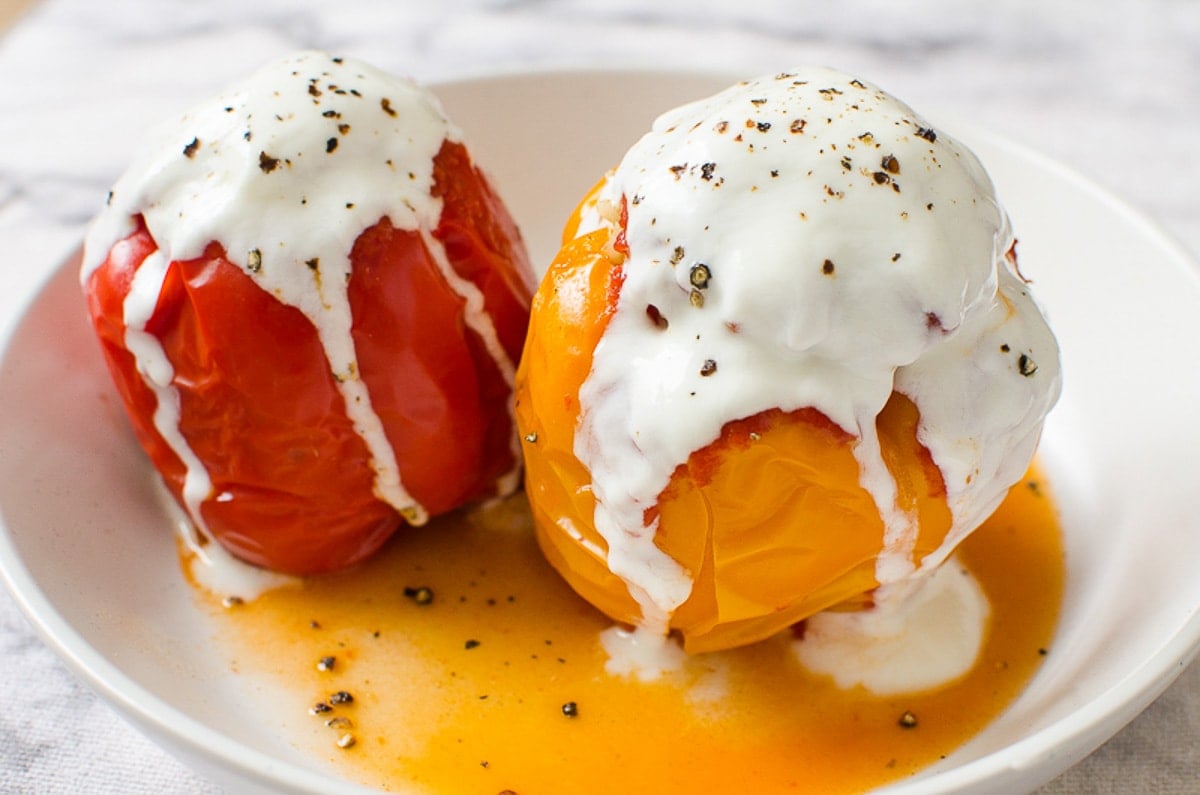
458	661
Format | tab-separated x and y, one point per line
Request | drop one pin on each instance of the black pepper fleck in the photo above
708	368
267	163
927	134
570	709
471	644
656	317
341	697
326	663
422	595
189	151
319	708
314	263
763	126
330	145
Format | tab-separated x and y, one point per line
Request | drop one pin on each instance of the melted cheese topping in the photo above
809	241
285	171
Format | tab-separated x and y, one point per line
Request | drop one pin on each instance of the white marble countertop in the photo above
1111	89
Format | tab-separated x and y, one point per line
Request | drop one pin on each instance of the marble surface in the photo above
1109	88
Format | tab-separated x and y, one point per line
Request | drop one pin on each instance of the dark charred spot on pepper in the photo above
1004	348
330	145
706	171
896	257
189	151
846	164
926	133
386	104
679	170
677	255
933	322
341	697
827	267
314	263
708	368
763	126
343	128
1026	365
797	126
890	164
880	177
326	663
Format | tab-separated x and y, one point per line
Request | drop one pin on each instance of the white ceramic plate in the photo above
90	556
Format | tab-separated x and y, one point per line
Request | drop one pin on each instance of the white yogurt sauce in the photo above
285	171
920	639
810	242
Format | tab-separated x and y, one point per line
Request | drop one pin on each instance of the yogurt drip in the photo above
285	171
810	241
